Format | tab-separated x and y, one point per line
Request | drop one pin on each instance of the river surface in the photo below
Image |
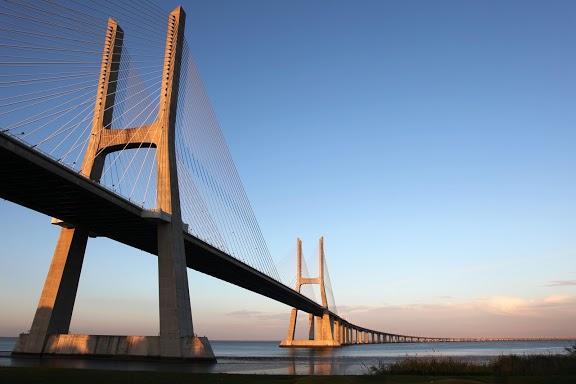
265	357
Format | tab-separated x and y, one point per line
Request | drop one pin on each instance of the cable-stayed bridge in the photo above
106	127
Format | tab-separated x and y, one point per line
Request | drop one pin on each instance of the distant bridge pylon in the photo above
323	331
330	329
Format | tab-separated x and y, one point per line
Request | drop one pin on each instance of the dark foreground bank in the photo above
265	358
502	366
87	376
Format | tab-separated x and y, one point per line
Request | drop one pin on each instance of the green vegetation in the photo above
510	365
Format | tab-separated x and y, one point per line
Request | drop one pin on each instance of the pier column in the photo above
318	328
292	324
56	304
327	333
337	334
311	330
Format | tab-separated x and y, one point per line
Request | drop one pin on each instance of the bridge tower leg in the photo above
56	303
310	326
323	330
50	327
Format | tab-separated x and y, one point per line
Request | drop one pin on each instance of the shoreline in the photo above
265	358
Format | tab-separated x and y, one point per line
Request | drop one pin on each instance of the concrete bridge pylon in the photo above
323	331
49	334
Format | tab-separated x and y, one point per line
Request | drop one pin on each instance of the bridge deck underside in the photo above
33	180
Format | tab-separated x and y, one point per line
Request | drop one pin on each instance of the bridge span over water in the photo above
34	180
192	211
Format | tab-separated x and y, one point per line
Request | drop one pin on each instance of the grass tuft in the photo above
509	365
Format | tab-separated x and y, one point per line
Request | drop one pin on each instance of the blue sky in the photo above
431	143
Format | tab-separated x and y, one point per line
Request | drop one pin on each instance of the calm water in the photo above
265	357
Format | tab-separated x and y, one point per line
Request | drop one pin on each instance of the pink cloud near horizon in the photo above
497	316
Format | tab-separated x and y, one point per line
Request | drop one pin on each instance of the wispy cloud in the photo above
553	315
244	313
504	305
354	308
258	315
561	283
499	315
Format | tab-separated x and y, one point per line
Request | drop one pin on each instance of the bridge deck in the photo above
32	179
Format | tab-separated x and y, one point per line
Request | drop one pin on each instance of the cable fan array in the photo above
49	68
216	203
329	291
51	58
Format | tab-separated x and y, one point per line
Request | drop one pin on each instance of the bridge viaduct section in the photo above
329	329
